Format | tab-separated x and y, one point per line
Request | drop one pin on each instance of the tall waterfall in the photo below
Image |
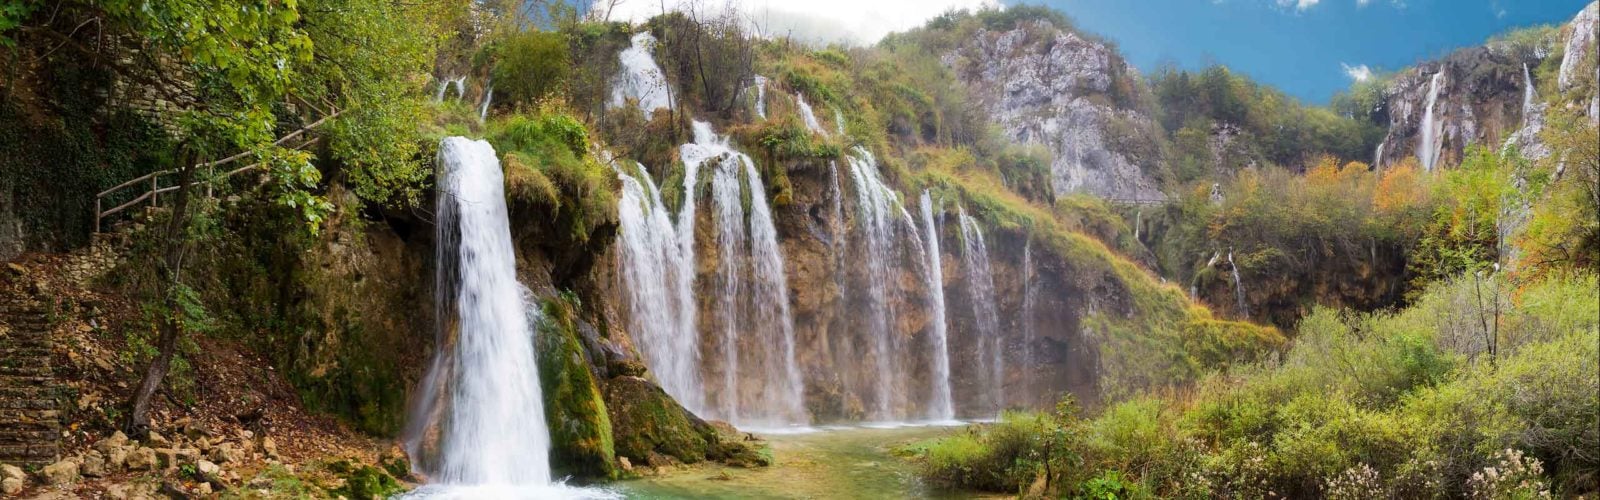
479	427
980	280
941	406
488	98
758	380
641	79
1429	141
878	206
809	115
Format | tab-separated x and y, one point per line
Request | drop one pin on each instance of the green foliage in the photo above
530	66
550	150
1003	457
1361	405
364	481
12	13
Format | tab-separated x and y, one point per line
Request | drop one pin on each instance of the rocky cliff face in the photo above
1480	96
1049	86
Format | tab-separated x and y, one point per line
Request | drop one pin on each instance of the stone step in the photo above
29	404
29	353
29	425
24	392
40	416
29	454
25	380
21	436
25	371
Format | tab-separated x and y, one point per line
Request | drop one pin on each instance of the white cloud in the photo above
1300	5
1358	73
858	21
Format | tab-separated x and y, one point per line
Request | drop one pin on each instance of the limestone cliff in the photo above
1076	96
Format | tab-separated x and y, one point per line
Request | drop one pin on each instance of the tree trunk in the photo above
138	424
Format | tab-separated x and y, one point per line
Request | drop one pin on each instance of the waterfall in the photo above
1377	158
1528	96
1238	287
878	205
761	96
459	82
1428	141
657	271
838	122
760	382
439	95
483	112
941	406
479	428
809	116
1030	300
641	79
980	282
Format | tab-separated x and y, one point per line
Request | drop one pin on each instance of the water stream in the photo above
980	282
1429	141
479	428
941	406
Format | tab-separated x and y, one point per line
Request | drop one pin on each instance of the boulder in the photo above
227	453
117	440
646	421
580	428
94	464
269	447
156	439
11	486
143	458
118	457
208	468
8	471
59	473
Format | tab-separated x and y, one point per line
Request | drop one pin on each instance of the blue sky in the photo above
1302	46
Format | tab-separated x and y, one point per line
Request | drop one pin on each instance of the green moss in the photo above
647	421
364	482
580	426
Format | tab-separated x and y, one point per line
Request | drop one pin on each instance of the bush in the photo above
1003	457
530	66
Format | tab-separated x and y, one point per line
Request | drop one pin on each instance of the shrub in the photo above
530	66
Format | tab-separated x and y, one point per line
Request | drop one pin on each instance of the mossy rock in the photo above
364	481
646	420
580	428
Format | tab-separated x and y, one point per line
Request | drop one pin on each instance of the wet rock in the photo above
646	422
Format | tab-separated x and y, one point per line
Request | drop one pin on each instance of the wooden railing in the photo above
153	179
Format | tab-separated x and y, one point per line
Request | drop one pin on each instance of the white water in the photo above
759	382
941	405
480	425
809	116
641	79
1528	95
488	97
878	205
1377	158
761	96
459	82
838	122
1238	287
1429	141
658	274
980	281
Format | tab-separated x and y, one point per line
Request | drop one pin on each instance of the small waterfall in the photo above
941	405
479	429
460	84
483	112
1030	300
809	116
761	96
1238	287
980	281
1528	95
1377	158
641	79
879	205
838	122
1429	140
438	96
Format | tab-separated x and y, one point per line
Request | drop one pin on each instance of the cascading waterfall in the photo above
657	268
479	427
838	122
809	116
941	406
641	79
1429	141
980	281
760	382
460	84
879	205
